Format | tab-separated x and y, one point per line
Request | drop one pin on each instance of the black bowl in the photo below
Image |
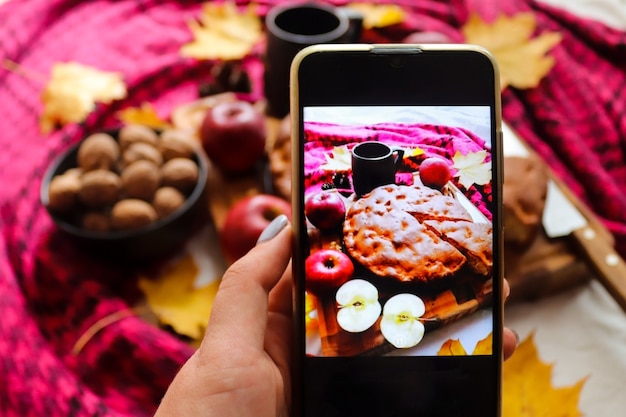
159	239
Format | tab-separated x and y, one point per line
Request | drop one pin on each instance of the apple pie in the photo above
415	233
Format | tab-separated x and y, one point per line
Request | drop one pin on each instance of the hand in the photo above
242	367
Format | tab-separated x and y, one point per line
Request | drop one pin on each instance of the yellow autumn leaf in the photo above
414	152
472	168
145	115
379	15
484	346
527	389
73	90
340	159
174	300
454	347
521	58
222	32
310	311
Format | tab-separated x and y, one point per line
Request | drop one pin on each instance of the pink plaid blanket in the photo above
51	292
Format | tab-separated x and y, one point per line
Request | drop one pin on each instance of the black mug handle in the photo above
399	155
355	19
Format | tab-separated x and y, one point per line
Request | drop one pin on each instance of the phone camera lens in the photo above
397	62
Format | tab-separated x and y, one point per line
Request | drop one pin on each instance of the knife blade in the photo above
562	218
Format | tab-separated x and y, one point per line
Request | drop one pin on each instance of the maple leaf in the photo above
453	347
522	59
527	388
145	115
340	159
417	151
174	300
379	15
73	90
221	32
472	168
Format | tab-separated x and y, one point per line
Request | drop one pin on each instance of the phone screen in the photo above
397	262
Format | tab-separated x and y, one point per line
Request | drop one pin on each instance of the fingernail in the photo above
274	228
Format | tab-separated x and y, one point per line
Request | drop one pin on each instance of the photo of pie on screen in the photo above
399	226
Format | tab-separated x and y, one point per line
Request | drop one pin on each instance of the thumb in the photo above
239	312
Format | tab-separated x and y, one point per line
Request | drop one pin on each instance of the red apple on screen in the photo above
327	269
233	136
245	221
325	210
435	172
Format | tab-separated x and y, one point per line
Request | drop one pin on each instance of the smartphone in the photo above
397	261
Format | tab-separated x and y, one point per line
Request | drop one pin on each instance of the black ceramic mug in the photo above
374	164
291	27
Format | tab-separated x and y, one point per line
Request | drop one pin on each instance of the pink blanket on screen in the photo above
51	292
432	140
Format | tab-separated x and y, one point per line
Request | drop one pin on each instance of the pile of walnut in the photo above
127	183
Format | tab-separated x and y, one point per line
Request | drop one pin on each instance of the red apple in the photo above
327	269
427	37
435	172
233	136
245	221
325	210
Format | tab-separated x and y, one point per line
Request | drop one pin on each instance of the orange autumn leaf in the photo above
73	90
222	32
454	347
176	302
521	57
527	387
379	15
145	115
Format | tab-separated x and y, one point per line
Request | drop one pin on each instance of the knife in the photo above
562	218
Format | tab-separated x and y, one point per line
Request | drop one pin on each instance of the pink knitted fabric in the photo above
51	291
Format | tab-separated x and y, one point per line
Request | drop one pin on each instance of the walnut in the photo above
177	144
99	188
137	133
132	213
98	151
180	173
63	191
96	221
140	180
167	200
142	151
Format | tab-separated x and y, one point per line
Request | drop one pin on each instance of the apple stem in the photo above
429	319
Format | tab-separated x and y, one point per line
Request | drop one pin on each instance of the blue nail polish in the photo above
272	229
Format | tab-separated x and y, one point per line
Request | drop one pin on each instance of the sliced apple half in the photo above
359	307
400	324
